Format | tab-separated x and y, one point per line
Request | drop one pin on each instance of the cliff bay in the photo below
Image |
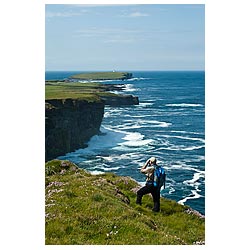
74	110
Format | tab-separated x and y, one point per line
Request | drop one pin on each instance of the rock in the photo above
120	100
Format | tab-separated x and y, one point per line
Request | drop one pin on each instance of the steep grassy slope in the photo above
100	209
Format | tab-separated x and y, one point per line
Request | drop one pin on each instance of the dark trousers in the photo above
155	192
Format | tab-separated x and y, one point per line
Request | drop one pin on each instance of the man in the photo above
148	169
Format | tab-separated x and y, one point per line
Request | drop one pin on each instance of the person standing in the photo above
148	169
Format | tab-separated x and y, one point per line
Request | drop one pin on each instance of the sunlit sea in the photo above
169	123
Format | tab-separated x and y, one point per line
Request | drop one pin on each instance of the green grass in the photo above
89	92
101	76
100	210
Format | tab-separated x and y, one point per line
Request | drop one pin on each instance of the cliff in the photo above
85	209
69	124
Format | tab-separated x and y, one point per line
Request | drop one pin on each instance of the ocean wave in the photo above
134	139
171	190
137	79
194	181
110	168
137	143
130	88
194	195
185	138
186	132
182	166
143	124
184	105
183	148
145	104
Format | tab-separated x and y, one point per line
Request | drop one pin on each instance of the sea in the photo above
169	124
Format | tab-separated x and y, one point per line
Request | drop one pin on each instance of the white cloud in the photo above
120	40
50	14
134	14
105	32
138	14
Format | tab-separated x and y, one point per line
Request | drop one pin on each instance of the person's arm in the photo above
146	169
145	165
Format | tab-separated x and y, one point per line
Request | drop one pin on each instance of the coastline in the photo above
74	111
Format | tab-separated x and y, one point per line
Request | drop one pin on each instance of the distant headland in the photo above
103	76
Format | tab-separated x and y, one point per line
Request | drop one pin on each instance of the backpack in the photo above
159	177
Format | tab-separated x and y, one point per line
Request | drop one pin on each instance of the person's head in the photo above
152	161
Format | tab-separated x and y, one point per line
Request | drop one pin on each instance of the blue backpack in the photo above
159	177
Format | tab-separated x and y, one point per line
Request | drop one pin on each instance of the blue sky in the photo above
125	37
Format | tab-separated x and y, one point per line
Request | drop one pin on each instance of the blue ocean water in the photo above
169	123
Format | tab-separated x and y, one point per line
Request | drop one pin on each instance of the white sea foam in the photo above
171	190
186	132
185	138
184	105
133	136
108	139
143	124
194	181
137	79
145	104
110	168
194	195
112	112
182	148
157	123
138	143
130	88
135	139
183	166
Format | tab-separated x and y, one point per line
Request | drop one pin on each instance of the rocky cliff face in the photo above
70	123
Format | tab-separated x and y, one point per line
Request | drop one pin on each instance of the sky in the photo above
124	37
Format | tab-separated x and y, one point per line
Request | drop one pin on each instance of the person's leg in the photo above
156	198
144	190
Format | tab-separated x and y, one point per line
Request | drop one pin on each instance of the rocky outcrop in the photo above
120	100
70	123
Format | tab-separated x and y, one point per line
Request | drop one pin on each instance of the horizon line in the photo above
125	70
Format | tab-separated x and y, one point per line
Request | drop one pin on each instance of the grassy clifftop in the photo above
62	90
90	92
100	209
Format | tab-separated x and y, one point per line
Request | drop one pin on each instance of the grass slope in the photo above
87	209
